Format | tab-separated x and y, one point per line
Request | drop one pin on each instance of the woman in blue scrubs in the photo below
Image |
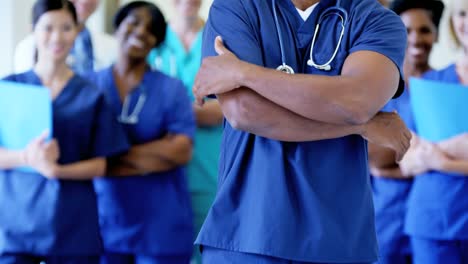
390	186
93	50
144	209
293	184
179	56
51	215
437	217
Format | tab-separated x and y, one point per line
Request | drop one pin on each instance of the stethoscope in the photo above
336	10
158	64
132	118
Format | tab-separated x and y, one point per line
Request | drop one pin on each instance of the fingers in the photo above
402	147
375	171
219	46
52	145
197	93
398	156
408	135
199	101
42	137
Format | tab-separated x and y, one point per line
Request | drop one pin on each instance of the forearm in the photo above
172	149
353	97
10	159
82	170
454	166
134	165
295	93
246	110
389	173
457	149
209	115
381	157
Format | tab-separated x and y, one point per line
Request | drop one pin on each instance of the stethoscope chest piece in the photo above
285	68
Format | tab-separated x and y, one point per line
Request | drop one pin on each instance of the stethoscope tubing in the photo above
336	10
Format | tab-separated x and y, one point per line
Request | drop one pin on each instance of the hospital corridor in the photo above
234	132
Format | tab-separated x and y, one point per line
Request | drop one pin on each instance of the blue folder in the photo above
25	112
440	109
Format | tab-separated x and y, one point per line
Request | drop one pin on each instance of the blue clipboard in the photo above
440	109
25	112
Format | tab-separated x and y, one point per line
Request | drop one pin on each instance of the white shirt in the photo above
306	13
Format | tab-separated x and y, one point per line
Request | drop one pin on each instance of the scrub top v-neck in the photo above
59	217
306	201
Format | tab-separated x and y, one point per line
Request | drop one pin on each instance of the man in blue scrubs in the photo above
293	179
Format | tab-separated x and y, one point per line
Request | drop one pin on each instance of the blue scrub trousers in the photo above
394	259
30	259
430	251
216	256
119	258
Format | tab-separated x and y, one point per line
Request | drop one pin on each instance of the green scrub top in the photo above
172	58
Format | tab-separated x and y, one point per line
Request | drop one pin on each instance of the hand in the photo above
388	130
393	173
42	156
218	74
434	157
456	146
413	163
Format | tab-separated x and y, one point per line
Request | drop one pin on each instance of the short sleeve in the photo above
180	116
10	78
108	138
229	19
381	31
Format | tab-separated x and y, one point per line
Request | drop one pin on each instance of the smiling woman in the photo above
55	218
391	186
145	214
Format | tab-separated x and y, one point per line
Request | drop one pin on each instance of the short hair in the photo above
158	22
435	7
43	6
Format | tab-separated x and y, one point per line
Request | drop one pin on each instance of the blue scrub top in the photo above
148	214
307	201
438	204
391	195
172	58
59	217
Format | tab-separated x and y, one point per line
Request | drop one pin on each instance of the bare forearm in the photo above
10	159
174	149
209	115
248	111
381	157
454	166
389	173
455	148
82	170
132	165
351	98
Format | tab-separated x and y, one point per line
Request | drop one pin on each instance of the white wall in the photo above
14	25
15	16
166	7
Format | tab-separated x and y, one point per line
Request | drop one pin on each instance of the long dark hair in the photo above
43	6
